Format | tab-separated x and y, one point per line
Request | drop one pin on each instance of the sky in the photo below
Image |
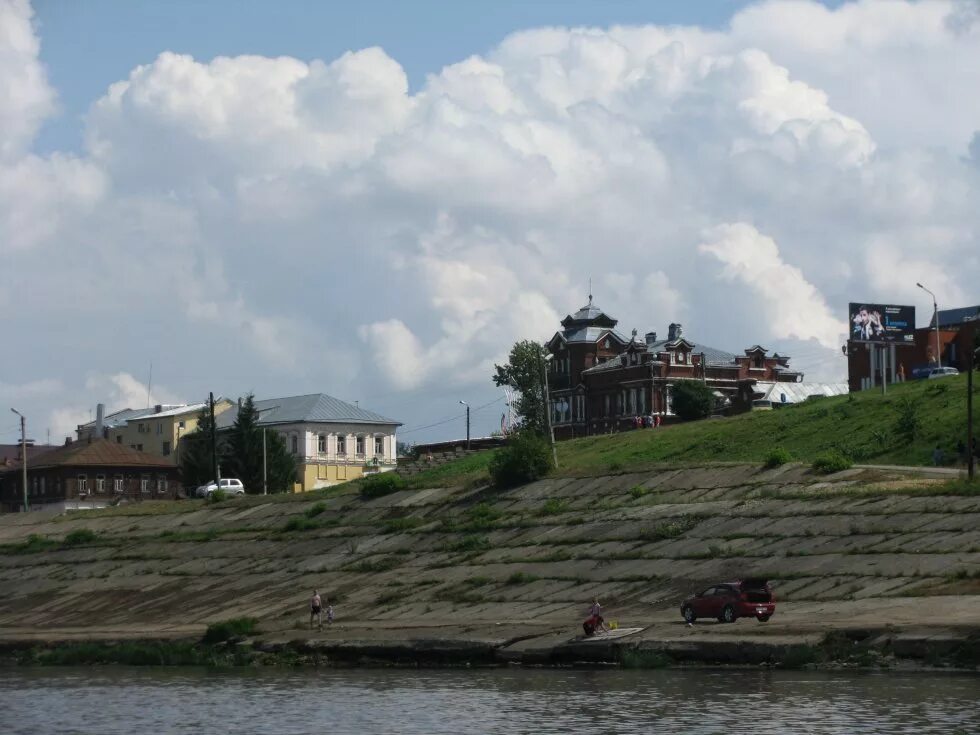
375	200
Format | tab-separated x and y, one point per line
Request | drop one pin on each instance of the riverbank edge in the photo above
872	650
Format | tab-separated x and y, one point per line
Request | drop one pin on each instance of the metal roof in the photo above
714	356
796	392
120	418
590	334
312	408
952	317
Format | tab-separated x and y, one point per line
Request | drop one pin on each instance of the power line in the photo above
457	417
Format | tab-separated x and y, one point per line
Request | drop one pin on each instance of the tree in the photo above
195	453
526	458
245	453
692	399
523	373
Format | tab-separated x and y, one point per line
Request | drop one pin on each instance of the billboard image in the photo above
882	323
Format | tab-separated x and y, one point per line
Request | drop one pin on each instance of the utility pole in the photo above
971	365
546	407
23	455
214	445
265	468
464	403
884	369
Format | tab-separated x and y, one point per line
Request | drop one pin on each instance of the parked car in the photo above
732	600
942	372
229	485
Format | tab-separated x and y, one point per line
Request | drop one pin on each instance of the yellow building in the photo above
157	430
332	441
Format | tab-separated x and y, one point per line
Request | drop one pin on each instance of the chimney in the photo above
651	337
67	440
100	421
674	331
158	408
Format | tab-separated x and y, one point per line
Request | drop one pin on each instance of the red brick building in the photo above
867	362
600	380
88	474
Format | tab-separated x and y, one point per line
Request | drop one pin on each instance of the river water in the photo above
148	701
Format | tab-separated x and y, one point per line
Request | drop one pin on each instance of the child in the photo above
329	614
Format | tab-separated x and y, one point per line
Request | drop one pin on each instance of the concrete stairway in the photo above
408	466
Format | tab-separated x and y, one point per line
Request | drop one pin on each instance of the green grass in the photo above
859	427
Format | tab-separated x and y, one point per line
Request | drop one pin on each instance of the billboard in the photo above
882	323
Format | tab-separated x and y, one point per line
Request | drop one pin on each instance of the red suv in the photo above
732	600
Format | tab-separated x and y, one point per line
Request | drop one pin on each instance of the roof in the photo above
713	355
12	453
120	418
176	411
312	408
796	392
589	315
590	334
951	317
97	453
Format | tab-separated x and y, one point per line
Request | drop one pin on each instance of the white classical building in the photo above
333	441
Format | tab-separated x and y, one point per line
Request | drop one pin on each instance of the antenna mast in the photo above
149	384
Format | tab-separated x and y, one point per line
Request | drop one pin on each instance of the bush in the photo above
553	507
228	629
830	462
521	578
80	536
301	523
777	457
315	510
908	425
526	458
385	483
692	399
216	496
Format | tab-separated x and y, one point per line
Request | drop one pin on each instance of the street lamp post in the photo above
464	403
23	455
547	407
935	316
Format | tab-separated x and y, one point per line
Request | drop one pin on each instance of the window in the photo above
379	445
117	484
42	486
606	344
139	447
166	449
82	484
141	428
605	406
321	444
145	484
119	439
341	445
359	446
34	486
161	485
295	443
160	427
100	483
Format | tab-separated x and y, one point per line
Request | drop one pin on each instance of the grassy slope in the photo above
861	426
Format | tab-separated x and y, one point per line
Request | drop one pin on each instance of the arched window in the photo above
321	443
295	443
341	446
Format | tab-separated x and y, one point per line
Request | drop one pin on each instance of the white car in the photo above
229	486
943	372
